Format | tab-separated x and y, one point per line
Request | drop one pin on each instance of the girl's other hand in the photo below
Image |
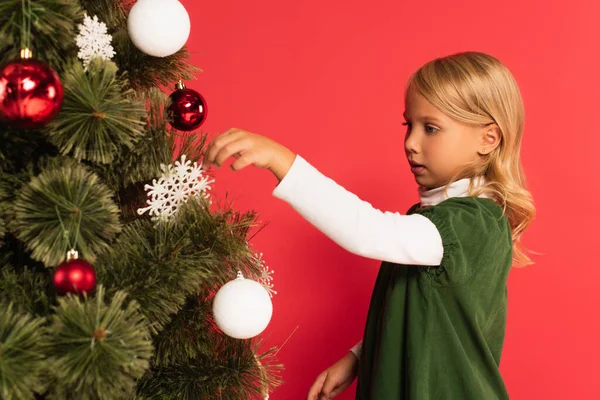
335	379
249	149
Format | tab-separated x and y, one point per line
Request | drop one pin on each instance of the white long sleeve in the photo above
354	224
357	349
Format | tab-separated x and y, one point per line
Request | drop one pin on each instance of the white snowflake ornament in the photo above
177	183
265	278
93	41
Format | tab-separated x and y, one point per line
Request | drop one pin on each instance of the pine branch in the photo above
10	184
22	149
21	354
52	29
159	266
4	203
128	175
109	140
6	197
146	72
191	144
192	335
140	165
83	204
224	231
233	371
98	349
12	251
98	118
147	263
29	289
2	223
111	12
189	334
142	162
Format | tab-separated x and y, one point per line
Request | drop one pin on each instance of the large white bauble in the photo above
242	308
158	27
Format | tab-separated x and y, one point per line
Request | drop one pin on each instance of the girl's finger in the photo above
340	388
231	149
218	142
328	387
315	390
212	142
242	162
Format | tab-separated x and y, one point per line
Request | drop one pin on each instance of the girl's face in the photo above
436	145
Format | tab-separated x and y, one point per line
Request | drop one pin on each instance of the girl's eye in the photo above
408	126
431	129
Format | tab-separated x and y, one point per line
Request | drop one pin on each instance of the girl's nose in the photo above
411	143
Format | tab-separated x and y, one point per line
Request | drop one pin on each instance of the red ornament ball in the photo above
74	276
187	110
31	93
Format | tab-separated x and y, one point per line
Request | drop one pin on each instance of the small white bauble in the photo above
242	308
158	27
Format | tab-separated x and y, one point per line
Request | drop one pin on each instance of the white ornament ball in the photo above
242	308
158	27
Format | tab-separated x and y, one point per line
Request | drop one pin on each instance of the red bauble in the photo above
74	276
30	93
187	110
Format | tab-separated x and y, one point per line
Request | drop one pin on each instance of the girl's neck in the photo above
460	188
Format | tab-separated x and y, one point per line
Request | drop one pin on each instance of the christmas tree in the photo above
112	251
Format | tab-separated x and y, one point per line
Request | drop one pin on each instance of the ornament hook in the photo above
72	255
26	53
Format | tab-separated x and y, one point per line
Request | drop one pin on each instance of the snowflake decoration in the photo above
93	41
265	277
177	183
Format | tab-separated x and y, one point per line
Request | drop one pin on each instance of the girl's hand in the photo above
249	149
335	379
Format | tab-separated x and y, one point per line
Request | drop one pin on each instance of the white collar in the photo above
459	188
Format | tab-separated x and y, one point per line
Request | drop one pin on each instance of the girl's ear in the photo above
490	139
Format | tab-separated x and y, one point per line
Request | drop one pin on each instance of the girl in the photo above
436	321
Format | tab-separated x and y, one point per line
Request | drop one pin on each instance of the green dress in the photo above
437	332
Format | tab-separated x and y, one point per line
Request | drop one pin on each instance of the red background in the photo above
326	79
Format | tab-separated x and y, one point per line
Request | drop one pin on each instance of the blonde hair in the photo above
477	89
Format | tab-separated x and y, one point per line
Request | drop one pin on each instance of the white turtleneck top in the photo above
362	229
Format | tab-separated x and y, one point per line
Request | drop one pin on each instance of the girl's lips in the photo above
416	168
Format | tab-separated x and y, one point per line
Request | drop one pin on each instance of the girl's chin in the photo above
427	184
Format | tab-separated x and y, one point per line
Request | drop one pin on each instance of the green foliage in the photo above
27	288
190	344
159	146
148	331
160	266
64	206
112	13
9	183
22	150
146	72
53	29
97	118
98	349
236	373
21	354
145	263
188	335
4	204
142	163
